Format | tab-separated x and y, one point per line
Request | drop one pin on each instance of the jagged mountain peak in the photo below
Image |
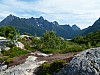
75	27
94	27
32	17
55	23
10	15
97	22
38	26
8	19
41	17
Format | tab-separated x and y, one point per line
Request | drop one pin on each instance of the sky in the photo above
83	13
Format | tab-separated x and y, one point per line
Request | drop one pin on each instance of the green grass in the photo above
14	52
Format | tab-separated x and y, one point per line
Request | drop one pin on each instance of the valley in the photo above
44	48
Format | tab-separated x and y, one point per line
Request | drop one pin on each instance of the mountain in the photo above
75	27
23	24
94	27
39	26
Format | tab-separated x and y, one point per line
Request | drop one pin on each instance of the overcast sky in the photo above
80	12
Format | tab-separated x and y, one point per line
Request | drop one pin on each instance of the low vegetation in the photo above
12	53
88	41
9	32
51	43
50	68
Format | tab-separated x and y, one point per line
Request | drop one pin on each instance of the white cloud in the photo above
81	12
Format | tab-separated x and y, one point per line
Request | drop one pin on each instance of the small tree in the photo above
9	32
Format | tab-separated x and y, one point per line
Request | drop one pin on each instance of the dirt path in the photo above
51	58
66	56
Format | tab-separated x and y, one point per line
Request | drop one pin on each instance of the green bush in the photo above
30	48
9	32
14	52
98	44
72	48
6	59
50	50
51	43
57	65
50	68
3	59
44	69
10	45
90	40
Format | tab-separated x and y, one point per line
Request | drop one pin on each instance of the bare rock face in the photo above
3	67
84	63
27	68
20	45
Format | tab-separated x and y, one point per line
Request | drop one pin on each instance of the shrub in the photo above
50	68
50	50
98	44
57	65
14	52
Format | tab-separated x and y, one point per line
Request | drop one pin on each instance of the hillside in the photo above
94	27
39	26
92	39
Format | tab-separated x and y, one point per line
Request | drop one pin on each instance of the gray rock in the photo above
20	45
6	48
3	67
84	63
26	68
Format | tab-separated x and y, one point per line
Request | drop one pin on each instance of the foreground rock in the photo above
27	68
84	63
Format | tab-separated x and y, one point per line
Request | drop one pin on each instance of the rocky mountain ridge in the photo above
74	27
93	28
39	26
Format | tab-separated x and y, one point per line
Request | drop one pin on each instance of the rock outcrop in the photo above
84	63
27	68
3	44
20	45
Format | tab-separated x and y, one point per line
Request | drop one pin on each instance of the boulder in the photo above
84	63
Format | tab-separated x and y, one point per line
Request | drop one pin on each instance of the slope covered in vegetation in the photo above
90	40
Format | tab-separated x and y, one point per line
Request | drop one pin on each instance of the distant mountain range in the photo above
40	25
